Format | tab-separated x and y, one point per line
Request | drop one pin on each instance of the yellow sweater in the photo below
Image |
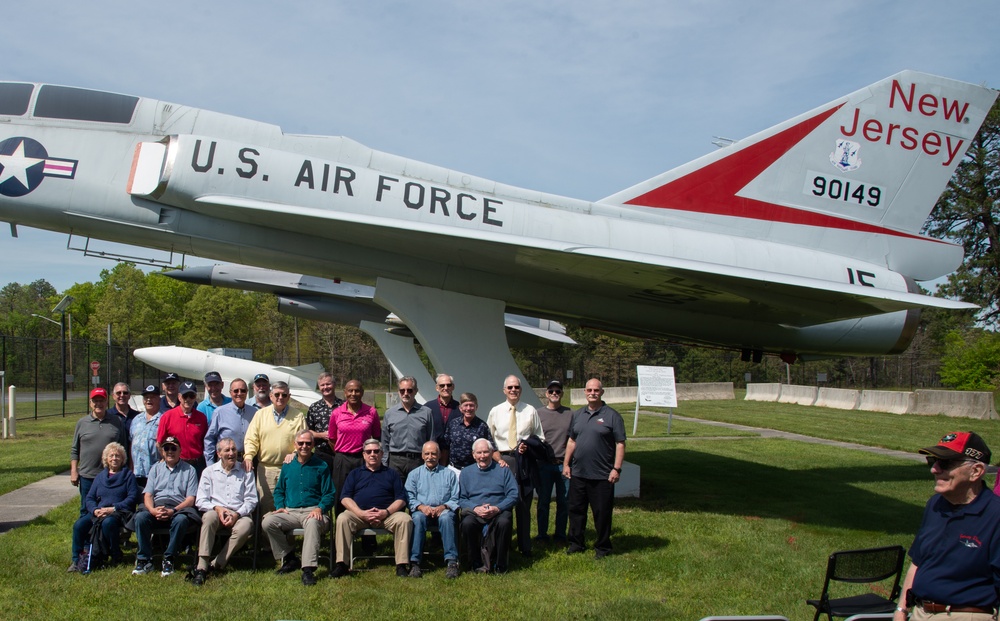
270	442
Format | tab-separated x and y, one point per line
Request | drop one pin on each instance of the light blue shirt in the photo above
209	408
229	422
144	453
235	490
170	487
432	487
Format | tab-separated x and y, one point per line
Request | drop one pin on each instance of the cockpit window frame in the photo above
70	103
15	98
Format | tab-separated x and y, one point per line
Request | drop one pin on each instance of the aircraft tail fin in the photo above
873	162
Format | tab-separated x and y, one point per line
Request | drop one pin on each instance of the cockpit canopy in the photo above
65	102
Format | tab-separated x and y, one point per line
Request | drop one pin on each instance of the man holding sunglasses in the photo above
405	428
954	572
188	424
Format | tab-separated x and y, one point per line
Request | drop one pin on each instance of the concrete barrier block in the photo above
705	391
838	398
799	395
763	392
891	401
957	403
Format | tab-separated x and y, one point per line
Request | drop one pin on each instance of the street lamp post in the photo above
61	309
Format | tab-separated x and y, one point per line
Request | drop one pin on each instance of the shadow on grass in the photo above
696	482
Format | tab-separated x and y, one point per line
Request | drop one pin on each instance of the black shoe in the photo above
308	577
199	576
574	550
339	571
601	554
527	554
289	564
401	571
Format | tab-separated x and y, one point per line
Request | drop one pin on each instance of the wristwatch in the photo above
618	470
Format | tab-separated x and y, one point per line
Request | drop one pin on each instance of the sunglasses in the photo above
513	388
947	464
189	397
122	394
239	391
303	444
372	451
407	391
169	448
553	391
446	385
279	395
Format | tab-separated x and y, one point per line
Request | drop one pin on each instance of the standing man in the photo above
556	419
373	497
227	496
955	558
486	494
143	431
92	433
230	421
214	398
122	393
271	438
303	497
170	385
351	424
462	431
168	501
511	423
445	405
405	428
261	392
189	425
595	452
318	416
432	493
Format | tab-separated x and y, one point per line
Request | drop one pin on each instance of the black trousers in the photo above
522	510
472	533
599	495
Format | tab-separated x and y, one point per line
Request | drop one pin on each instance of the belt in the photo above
935	608
408	455
354	454
506	452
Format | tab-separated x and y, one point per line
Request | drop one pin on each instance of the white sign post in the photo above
656	389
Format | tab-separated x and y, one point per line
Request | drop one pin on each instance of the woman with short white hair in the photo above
110	504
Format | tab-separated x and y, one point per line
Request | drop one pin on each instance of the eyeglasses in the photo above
239	391
121	393
372	451
189	396
448	385
303	444
513	388
553	391
407	391
279	395
169	448
947	464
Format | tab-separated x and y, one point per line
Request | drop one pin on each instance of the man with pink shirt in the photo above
351	423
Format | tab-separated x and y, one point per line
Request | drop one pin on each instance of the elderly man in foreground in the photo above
432	493
303	497
373	497
486	494
955	570
227	496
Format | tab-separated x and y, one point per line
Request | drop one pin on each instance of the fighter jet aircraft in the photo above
802	240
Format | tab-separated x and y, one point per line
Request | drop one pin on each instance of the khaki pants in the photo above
210	525
267	478
919	614
278	525
399	524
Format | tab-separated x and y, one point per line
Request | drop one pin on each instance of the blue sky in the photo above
579	98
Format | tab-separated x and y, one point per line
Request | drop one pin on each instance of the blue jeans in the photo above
111	528
145	523
549	475
445	524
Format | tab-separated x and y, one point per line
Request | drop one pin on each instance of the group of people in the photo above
183	465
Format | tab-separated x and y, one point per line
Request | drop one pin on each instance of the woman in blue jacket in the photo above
110	504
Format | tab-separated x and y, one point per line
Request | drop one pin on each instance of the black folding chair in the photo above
874	565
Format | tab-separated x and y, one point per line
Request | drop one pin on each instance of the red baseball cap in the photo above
965	444
98	392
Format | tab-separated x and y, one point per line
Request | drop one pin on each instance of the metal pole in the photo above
69	324
62	333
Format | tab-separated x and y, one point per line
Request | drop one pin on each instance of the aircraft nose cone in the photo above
200	275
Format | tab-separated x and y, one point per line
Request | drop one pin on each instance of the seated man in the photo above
486	494
168	500
303	496
227	496
432	493
379	490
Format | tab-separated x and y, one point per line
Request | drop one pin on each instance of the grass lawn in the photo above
733	525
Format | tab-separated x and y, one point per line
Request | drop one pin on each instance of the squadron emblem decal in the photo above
25	162
845	155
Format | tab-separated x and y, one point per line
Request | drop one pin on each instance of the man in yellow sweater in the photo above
271	439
